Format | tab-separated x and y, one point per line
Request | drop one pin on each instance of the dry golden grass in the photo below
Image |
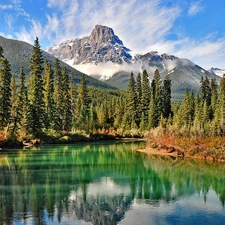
209	148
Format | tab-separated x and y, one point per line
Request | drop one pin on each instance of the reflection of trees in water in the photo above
101	209
39	183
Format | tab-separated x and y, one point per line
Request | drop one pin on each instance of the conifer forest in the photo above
50	102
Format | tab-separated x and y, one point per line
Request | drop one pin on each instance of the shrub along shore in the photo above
160	142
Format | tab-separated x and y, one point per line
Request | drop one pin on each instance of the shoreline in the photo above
152	151
164	152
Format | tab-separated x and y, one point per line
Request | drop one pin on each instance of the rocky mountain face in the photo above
101	46
103	55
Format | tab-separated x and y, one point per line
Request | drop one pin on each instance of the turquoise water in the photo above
108	183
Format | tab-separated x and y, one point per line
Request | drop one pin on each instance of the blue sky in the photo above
193	29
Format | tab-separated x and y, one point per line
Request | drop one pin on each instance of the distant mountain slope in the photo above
103	55
217	71
18	53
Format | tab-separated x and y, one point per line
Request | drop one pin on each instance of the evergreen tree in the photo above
198	113
186	109
83	92
58	95
145	97
1	55
36	96
22	103
48	82
167	109
214	96
131	106
205	91
73	96
157	101
14	105
220	107
5	91
83	101
66	104
138	103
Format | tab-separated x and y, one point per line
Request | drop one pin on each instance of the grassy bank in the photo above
54	137
199	147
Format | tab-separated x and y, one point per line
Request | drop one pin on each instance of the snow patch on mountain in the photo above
217	71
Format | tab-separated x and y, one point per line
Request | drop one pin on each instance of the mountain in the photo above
103	56
100	47
217	71
18	53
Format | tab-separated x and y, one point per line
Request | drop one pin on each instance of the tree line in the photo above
50	101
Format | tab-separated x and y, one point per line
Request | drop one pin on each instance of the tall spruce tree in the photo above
138	103
131	106
157	101
58	95
167	109
145	98
14	106
5	91
220	108
48	82
73	96
36	96
66	104
22	103
83	102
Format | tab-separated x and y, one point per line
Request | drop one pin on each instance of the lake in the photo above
108	183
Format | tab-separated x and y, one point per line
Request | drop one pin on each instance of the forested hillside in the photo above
18	54
51	103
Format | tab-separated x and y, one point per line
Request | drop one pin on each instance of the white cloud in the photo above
143	26
6	35
9	20
195	8
205	52
4	7
139	24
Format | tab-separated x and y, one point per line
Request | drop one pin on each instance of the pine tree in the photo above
83	92
48	82
5	91
73	96
58	95
167	109
66	104
220	107
145	97
1	54
131	106
138	103
35	93
157	101
205	91
14	105
83	102
198	113
22	103
186	109
214	87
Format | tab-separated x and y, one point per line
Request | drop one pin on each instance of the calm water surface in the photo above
108	183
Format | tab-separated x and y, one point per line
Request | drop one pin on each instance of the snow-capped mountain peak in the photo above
100	47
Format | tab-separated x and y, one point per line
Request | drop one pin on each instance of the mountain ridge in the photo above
104	57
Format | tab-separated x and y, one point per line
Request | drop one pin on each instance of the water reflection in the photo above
107	183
